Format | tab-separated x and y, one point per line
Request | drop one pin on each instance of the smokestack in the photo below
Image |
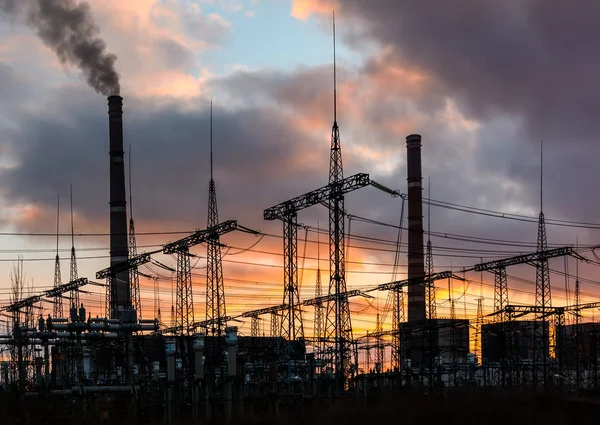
120	291
416	264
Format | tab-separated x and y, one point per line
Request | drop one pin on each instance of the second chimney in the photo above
416	263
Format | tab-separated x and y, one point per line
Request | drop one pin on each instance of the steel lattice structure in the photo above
275	324
215	289
254	326
57	309
319	325
291	318
543	299
398	317
184	305
500	292
134	277
429	285
73	268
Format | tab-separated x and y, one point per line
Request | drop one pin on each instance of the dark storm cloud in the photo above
256	157
534	59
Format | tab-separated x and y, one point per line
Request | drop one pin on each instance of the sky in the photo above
482	82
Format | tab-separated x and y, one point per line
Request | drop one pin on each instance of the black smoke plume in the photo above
68	28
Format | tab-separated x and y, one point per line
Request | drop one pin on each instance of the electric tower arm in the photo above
51	293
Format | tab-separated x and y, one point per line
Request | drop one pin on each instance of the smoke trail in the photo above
68	28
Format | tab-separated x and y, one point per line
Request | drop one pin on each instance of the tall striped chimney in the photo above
416	263
120	291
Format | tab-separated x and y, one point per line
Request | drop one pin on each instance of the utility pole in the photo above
57	309
134	277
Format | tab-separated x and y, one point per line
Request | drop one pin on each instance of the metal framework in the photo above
275	324
500	292
184	305
531	258
291	320
319	324
134	277
73	268
184	314
57	309
398	317
129	264
51	293
543	299
291	324
215	289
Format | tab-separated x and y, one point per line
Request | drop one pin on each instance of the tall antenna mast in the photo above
57	310
211	139
72	226
134	278
429	208
334	75
130	194
57	220
73	270
541	175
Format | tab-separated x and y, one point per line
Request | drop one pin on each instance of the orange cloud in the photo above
302	9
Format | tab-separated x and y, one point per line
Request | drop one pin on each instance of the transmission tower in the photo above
578	359
73	270
274	324
397	297
215	288
451	299
134	277
57	310
184	304
429	270
500	293
318	293
338	322
291	318
478	325
254	326
543	297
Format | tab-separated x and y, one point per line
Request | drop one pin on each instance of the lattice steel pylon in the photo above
398	317
338	321
319	325
397	298
578	329
184	304
73	269
478	325
275	324
57	309
543	298
291	318
500	293
430	308
215	289
134	277
254	326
